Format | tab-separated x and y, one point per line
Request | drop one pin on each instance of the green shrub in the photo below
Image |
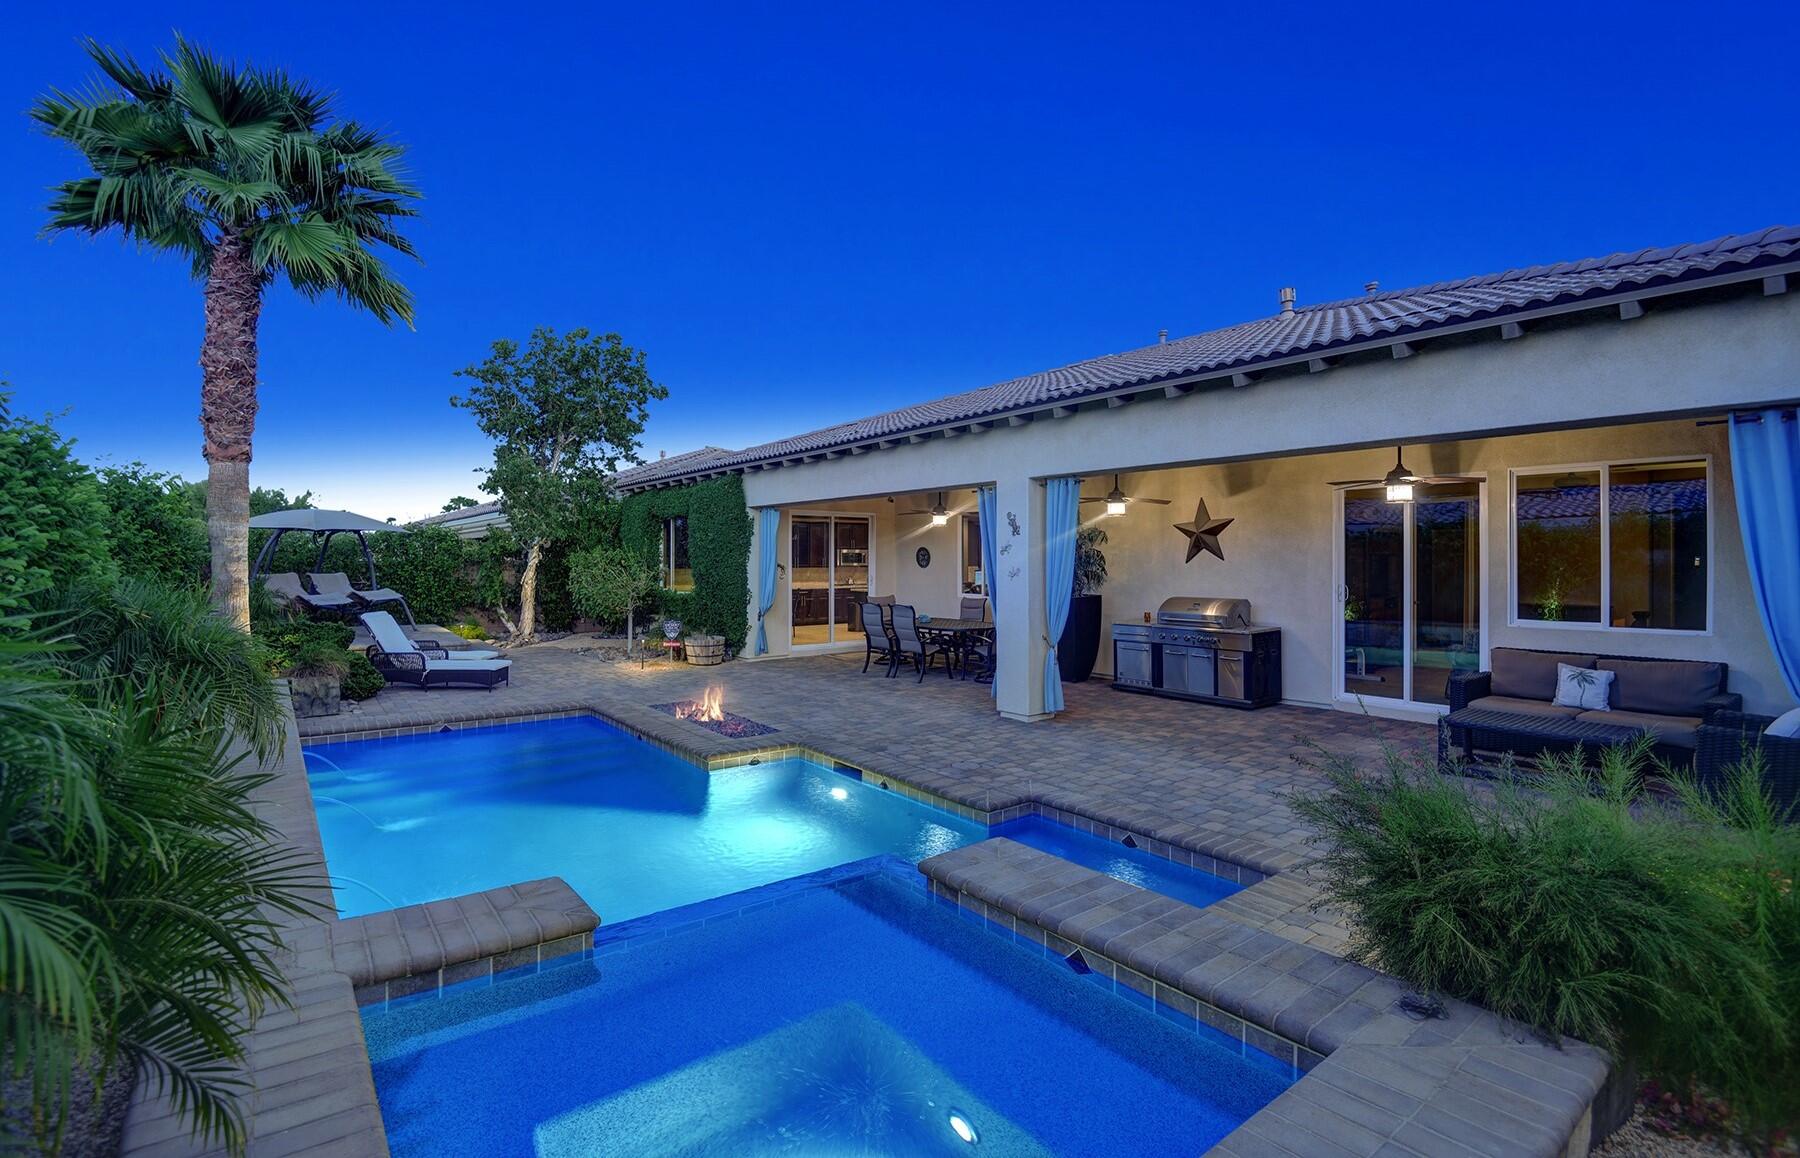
360	680
719	533
52	517
611	584
142	898
153	529
1582	908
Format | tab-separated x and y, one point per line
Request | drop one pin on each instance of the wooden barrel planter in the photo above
705	650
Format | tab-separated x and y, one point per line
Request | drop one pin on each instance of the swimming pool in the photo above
846	1014
630	827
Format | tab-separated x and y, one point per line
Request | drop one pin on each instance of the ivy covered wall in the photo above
719	528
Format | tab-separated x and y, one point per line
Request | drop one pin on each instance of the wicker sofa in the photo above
1726	737
1670	698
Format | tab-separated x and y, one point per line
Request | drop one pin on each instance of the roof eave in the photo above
1402	342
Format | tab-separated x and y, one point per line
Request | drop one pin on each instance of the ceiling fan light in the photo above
1115	501
1399	483
939	516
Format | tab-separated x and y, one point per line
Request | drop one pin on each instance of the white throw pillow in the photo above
1583	687
1786	725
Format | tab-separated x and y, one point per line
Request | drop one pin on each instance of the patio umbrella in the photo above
322	525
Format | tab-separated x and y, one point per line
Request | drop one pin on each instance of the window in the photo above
677	574
1616	546
971	556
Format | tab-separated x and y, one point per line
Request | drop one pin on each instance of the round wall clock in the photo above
923	556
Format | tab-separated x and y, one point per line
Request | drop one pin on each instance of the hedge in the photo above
719	529
53	520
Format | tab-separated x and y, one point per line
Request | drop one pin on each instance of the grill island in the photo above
1200	649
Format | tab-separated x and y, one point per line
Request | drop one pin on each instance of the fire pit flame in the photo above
708	709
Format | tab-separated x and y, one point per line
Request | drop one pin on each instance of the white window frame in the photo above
668	553
1605	468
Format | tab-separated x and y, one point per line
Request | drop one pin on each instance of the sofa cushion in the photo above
1524	707
1786	725
1676	730
1529	675
1586	688
1670	687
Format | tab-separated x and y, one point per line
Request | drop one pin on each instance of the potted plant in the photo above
1079	646
315	677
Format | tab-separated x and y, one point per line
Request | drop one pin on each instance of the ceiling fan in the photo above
1116	500
940	514
1399	481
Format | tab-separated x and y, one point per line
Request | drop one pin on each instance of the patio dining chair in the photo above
918	648
974	607
285	587
878	636
338	583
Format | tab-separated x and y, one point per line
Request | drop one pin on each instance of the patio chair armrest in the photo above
1465	687
397	661
1729	737
1730	702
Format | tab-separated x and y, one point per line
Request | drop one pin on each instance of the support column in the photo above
1018	573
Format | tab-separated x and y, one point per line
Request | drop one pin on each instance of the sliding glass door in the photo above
828	570
1410	594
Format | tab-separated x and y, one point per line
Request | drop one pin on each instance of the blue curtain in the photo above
768	526
987	506
1765	470
1062	498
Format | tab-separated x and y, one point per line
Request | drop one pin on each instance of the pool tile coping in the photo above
1376	1079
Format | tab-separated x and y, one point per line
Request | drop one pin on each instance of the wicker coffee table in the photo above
1491	730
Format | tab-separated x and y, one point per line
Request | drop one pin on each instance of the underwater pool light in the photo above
840	794
964	1129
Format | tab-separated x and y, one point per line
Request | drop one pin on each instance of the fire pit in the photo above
709	712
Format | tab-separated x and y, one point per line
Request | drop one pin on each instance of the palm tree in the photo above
246	173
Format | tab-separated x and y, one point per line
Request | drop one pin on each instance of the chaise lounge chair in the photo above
285	586
338	583
404	661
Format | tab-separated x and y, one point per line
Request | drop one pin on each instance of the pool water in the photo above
850	1014
630	827
1134	866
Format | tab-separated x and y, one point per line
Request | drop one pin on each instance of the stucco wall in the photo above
1677	360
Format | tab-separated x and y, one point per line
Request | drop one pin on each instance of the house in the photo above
472	522
1567	430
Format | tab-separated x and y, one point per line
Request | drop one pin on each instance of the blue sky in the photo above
808	212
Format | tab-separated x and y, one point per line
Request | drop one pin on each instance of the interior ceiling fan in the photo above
1400	481
1116	500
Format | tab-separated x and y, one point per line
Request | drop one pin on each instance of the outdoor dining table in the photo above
959	635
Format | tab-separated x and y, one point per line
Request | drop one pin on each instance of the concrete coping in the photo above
1465	1082
400	952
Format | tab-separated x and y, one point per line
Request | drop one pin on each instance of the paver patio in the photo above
1203	778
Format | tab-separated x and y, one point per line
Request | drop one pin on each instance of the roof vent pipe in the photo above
1370	287
1287	299
1162	336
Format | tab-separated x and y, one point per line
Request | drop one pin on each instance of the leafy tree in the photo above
459	503
611	583
244	172
52	517
155	532
565	411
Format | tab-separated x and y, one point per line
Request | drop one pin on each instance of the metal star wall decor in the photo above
1203	533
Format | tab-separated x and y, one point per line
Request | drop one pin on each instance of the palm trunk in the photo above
528	591
228	417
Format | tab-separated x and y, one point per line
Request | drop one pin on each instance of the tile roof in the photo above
681	463
1309	330
461	513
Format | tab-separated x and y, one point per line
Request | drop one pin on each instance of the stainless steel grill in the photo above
1193	611
1200	647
